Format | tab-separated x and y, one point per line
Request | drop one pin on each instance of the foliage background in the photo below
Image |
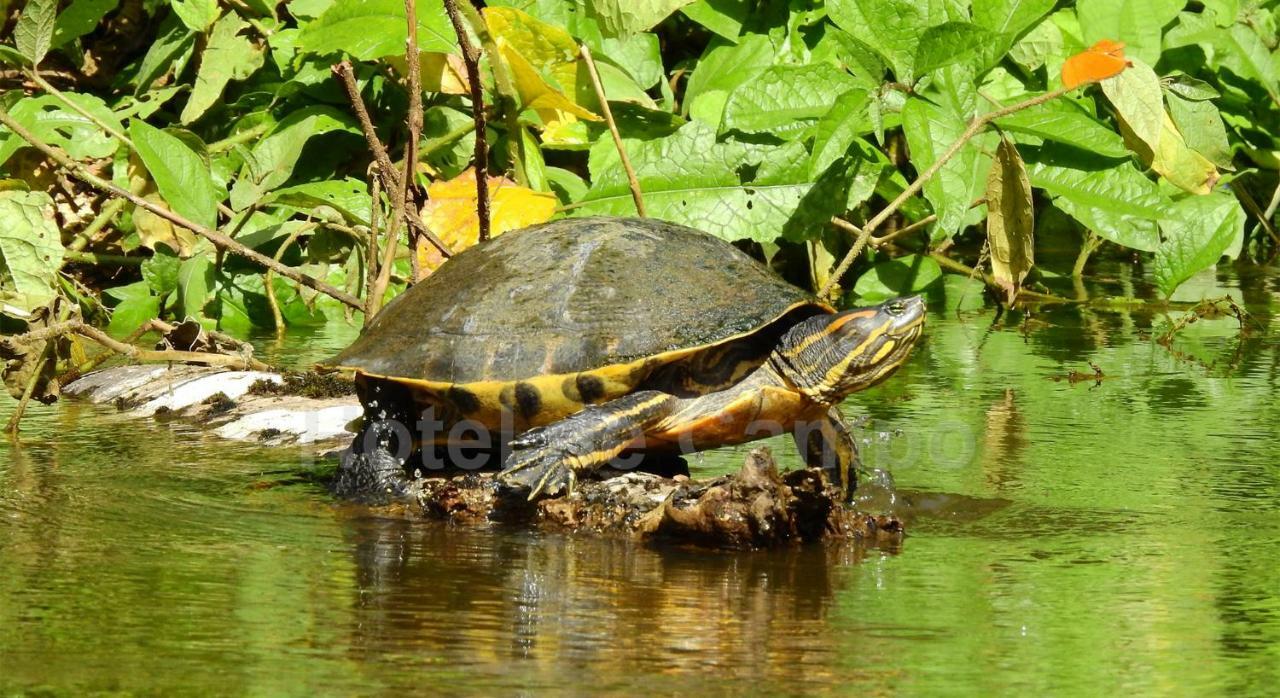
757	121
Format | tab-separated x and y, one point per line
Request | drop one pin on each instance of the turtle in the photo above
578	343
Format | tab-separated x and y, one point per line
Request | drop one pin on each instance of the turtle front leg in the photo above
549	459
827	444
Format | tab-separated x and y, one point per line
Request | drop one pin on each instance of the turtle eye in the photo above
896	308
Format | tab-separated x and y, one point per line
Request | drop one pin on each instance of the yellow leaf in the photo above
1010	219
441	72
451	214
545	68
1173	159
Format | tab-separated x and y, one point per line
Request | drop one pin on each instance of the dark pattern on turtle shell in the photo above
570	296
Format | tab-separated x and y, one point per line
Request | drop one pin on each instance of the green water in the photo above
1073	538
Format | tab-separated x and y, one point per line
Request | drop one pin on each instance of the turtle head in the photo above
830	356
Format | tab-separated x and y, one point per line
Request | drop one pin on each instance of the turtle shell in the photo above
531	326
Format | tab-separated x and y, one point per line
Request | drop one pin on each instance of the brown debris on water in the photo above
752	508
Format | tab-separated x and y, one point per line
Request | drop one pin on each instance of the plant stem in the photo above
218	239
40	82
613	129
471	58
100	221
1091	243
99	258
276	316
506	101
28	391
408	199
975	126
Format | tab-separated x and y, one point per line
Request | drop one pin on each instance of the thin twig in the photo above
58	95
100	221
371	266
408	197
506	92
218	239
471	58
636	194
390	176
276	316
1242	193
28	391
975	126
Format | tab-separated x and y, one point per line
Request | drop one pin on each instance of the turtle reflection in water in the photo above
588	338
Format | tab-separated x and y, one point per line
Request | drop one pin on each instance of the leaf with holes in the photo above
30	250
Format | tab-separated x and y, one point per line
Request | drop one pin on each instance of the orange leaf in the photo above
1099	62
451	213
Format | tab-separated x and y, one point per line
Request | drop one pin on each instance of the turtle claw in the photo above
542	470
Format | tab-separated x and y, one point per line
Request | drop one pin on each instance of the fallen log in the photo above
753	508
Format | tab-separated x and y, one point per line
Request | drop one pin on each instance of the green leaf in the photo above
1136	23
51	121
33	35
690	178
930	131
161	271
892	28
181	176
723	17
228	56
349	196
784	98
30	249
1114	200
623	17
896	277
135	304
80	18
1200	124
639	55
725	66
955	42
374	29
1012	18
1135	93
169	51
195	279
836	130
271	161
1065	122
1197	232
197	15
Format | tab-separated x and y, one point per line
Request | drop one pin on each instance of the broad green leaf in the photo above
724	17
30	249
173	45
373	29
955	42
1114	200
1012	18
349	196
1136	23
1066	122
197	15
228	56
135	304
1239	49
639	55
892	28
269	164
1197	232
1010	219
691	178
161	271
1200	124
724	66
195	281
623	17
896	277
33	34
1189	88
1042	43
180	175
1136	96
52	122
930	131
784	99
568	186
836	130
80	18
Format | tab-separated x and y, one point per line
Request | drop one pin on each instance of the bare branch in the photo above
613	129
